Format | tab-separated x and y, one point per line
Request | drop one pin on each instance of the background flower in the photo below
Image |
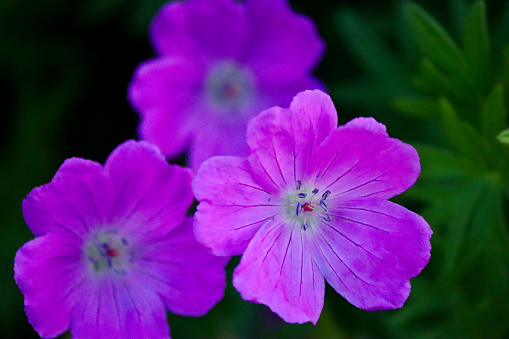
220	62
113	249
310	202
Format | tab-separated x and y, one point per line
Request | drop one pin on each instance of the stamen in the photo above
315	191
325	194
302	195
322	204
298	185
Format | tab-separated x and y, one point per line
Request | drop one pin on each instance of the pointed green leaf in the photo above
439	163
369	48
462	135
494	113
417	106
476	42
434	42
504	137
461	209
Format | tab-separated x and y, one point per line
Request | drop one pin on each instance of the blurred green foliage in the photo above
437	77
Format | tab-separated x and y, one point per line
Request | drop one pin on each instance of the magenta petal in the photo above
188	278
199	29
370	250
208	142
151	197
48	273
119	307
164	92
283	140
278	270
73	202
232	207
281	44
361	161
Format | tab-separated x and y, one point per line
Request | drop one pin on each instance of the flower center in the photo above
229	87
306	206
107	251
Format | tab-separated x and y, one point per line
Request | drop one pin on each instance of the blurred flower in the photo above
310	202
113	249
220	63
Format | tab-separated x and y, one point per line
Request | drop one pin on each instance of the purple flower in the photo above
310	202
220	63
114	250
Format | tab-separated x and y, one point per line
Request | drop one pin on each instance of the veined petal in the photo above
232	206
281	44
73	202
48	272
369	251
278	270
361	160
187	277
197	29
282	141
116	307
151	197
163	91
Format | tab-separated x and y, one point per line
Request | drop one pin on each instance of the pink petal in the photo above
164	91
278	270
232	207
116	306
188	278
199	30
370	250
151	197
73	202
362	161
48	273
282	141
281	44
216	137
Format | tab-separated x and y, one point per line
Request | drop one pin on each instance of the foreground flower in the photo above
220	63
310	202
113	249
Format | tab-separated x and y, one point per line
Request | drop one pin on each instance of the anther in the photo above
315	191
322	204
303	226
302	195
297	212
298	185
325	194
327	217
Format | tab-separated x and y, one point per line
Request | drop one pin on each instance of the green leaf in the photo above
369	48
435	81
462	135
434	42
476	44
504	137
461	209
439	163
494	113
418	106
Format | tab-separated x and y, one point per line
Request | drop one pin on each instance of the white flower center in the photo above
107	251
229	87
306	206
